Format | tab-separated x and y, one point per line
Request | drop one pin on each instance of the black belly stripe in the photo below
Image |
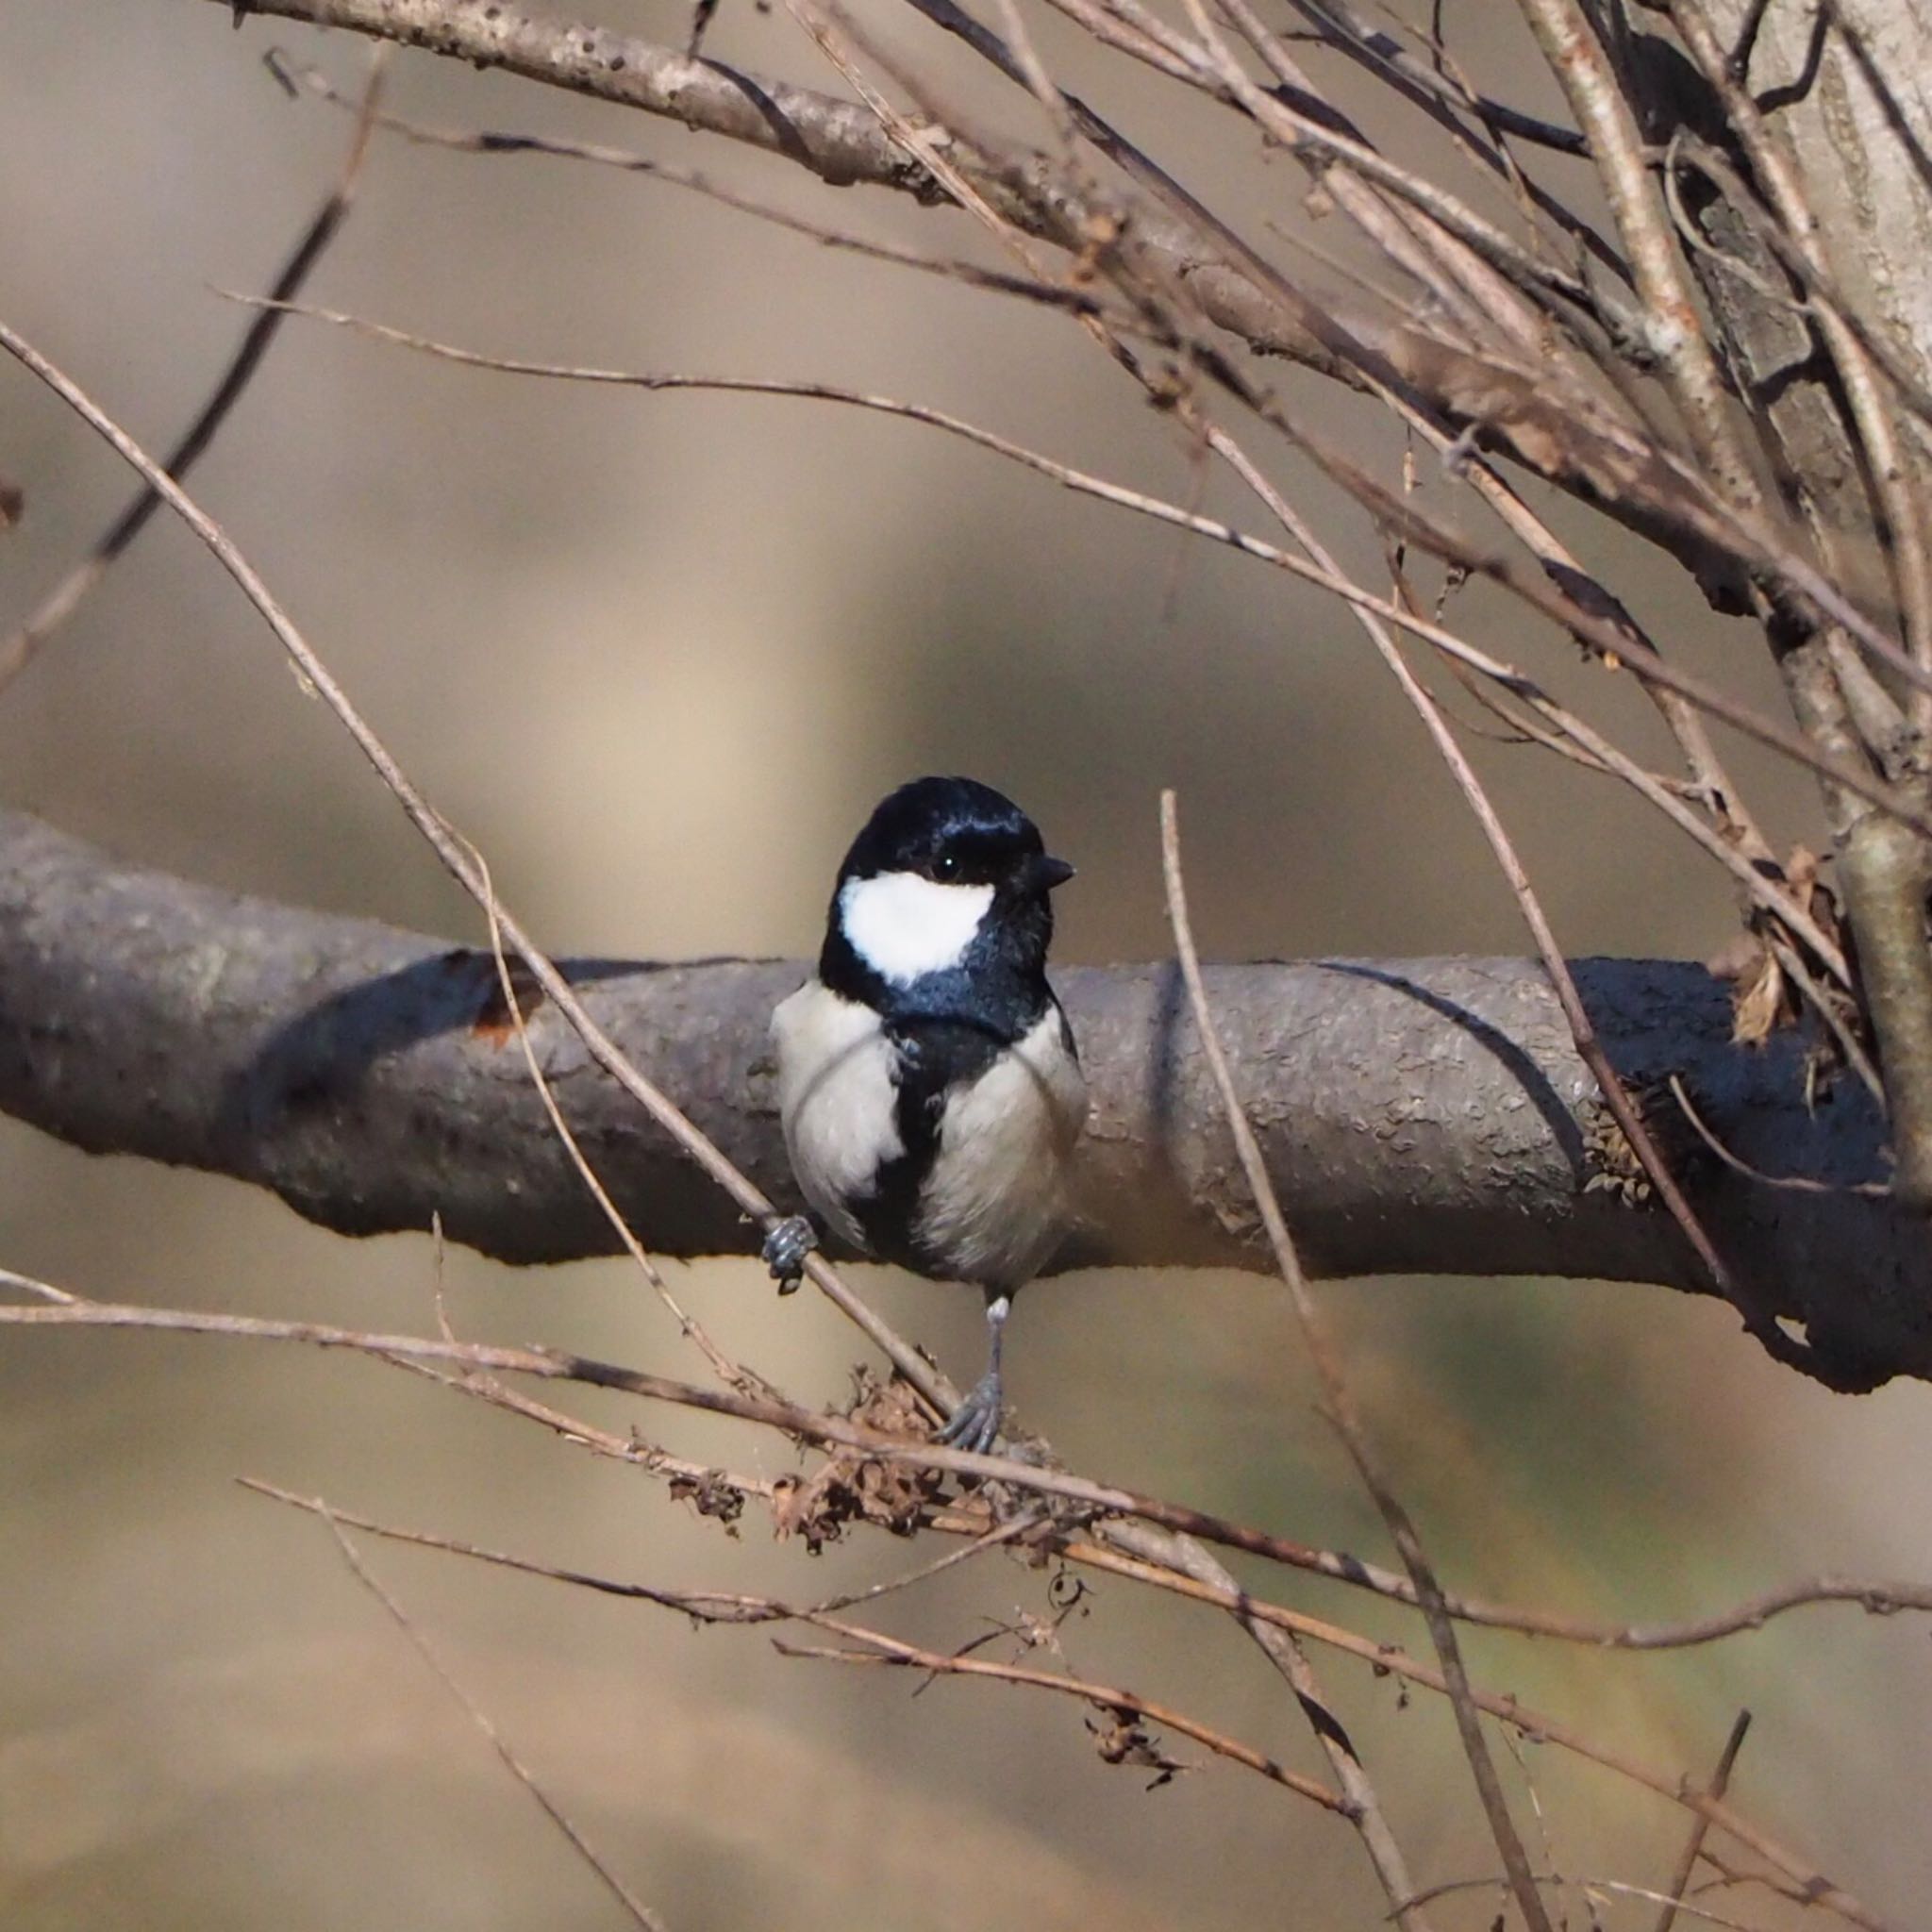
934	1055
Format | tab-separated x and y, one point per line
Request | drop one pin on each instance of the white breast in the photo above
837	1093
998	1199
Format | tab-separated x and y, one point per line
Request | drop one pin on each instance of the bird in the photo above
930	1086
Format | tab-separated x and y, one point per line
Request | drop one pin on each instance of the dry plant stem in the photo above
1677	335
1687	1863
1798	1184
1324	147
631	1449
63	1309
1515	320
1339	1401
1803	1879
877	1648
712	1605
731	1607
1232	288
1838	760
1110	1699
839	141
639	1913
1459	266
455	854
1798	1881
1722	797
1803	1883
1497	303
1570	736
627	160
550	1364
17	649
1186	249
1132	29
1836	1022
1078	482
1339	27
1152	1562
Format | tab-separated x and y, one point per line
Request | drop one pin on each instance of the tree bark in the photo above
1418	1116
1846	83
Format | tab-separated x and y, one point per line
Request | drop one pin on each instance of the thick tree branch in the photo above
1426	1116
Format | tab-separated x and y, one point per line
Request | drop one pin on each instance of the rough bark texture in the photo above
1426	1116
1854	108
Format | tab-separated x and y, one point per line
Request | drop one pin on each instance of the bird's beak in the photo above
1049	872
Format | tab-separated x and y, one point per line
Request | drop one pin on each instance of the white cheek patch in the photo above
903	927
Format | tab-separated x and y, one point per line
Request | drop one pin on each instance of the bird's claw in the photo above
974	1426
785	1250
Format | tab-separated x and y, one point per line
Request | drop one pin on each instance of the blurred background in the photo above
658	654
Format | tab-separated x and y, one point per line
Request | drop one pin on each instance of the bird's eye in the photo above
945	865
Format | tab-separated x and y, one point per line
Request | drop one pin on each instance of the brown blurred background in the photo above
658	654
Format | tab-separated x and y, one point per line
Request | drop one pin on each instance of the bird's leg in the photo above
976	1421
785	1250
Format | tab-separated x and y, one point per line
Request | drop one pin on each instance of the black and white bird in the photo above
928	1083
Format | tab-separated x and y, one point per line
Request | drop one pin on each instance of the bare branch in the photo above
1687	1862
370	1079
639	1913
18	647
1338	1400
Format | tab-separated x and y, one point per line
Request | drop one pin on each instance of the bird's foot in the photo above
974	1426
785	1250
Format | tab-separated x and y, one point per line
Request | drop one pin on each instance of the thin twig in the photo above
1618	1888
1583	1032
1720	1783
706	1606
719	1607
1338	1400
1050	294
1112	1700
18	648
742	1608
641	1914
1791	1183
735	1375
1673	327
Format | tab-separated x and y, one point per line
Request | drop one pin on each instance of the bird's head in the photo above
948	875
